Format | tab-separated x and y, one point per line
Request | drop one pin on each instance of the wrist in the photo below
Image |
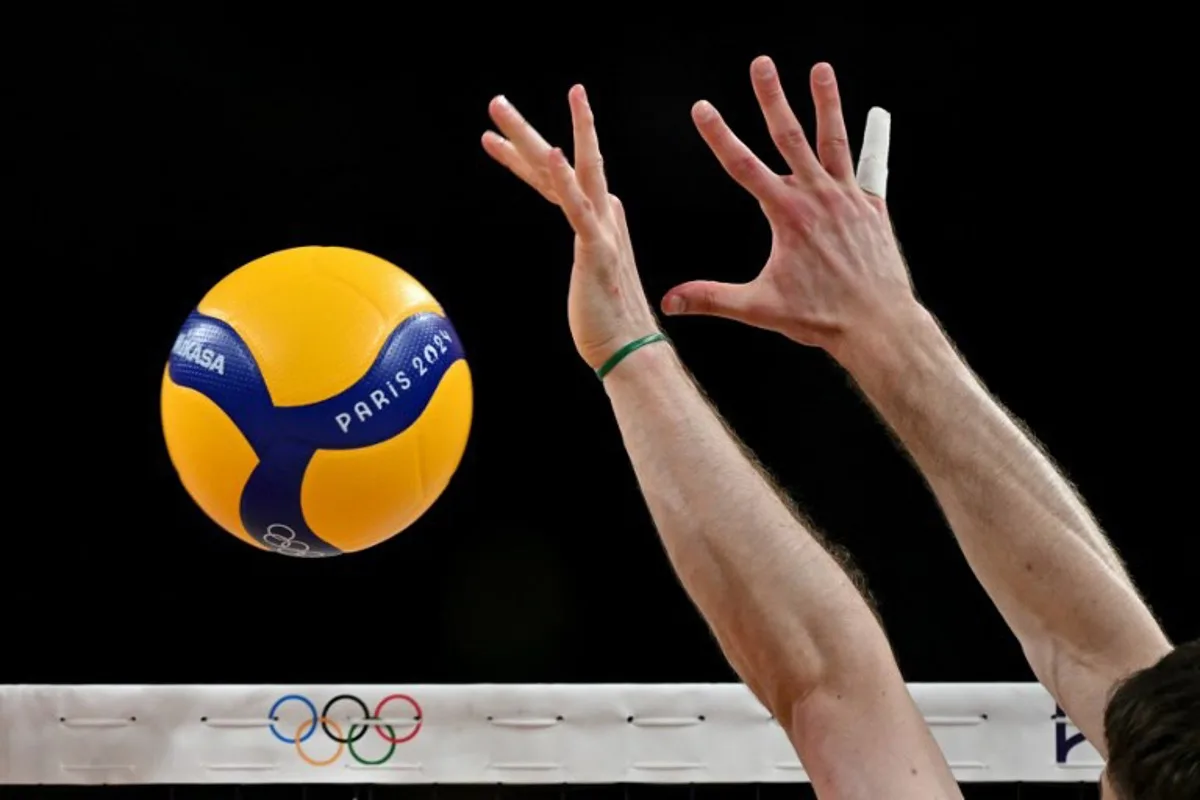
649	361
627	349
874	351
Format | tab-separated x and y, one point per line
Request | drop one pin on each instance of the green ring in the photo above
367	762
619	356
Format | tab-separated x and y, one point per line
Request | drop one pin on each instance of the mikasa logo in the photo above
195	352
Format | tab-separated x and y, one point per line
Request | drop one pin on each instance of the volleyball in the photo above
316	402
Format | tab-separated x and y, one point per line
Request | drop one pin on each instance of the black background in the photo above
1031	186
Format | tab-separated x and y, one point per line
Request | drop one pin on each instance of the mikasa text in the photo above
382	396
191	350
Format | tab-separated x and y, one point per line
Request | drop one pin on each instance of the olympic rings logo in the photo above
346	740
287	545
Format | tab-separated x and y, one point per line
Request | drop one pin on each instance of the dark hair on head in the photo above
1152	726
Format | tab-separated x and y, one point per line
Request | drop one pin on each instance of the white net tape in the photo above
519	734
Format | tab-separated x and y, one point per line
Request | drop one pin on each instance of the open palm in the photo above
834	265
606	306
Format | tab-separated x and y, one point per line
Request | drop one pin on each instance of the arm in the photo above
836	280
788	617
1029	539
785	613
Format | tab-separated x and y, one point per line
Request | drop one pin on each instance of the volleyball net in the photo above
686	736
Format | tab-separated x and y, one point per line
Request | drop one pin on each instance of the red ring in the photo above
408	736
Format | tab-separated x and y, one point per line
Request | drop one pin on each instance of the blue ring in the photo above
311	709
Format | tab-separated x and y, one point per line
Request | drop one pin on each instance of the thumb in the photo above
711	298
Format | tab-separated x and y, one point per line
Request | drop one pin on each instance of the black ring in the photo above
353	737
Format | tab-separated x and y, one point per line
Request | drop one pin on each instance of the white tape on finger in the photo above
873	161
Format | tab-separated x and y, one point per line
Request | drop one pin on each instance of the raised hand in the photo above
835	269
606	307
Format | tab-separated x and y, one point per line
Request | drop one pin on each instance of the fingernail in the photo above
823	73
673	304
705	110
764	67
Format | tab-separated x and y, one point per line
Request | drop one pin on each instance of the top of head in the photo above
1152	726
315	318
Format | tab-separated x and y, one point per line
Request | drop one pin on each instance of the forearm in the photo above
785	613
1025	532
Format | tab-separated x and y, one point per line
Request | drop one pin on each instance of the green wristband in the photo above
619	356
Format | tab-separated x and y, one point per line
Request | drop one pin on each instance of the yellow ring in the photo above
308	723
